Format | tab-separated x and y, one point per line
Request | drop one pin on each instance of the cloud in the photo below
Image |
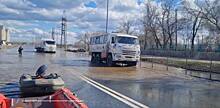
5	10
18	4
14	23
58	4
28	17
36	34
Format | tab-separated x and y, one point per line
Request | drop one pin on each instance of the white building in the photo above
4	35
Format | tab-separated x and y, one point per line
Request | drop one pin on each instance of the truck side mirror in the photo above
113	40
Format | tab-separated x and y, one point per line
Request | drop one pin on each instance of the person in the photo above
20	50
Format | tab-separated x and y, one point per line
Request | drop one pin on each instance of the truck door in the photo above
111	43
104	52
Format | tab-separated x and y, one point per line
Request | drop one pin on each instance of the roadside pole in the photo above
152	63
167	63
140	61
167	59
106	25
210	72
186	65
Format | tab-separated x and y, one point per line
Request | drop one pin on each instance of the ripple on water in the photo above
80	63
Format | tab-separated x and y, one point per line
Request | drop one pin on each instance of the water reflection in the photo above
168	93
78	63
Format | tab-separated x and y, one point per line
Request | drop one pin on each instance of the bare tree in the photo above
160	22
196	25
195	19
150	24
84	40
167	22
126	26
210	11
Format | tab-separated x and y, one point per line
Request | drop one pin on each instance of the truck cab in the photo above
115	48
46	45
124	48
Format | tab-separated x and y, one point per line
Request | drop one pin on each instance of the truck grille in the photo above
128	52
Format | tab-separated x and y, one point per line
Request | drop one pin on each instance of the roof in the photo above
47	40
117	34
125	35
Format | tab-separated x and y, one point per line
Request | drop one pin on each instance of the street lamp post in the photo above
106	29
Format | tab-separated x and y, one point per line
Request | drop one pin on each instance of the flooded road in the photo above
155	88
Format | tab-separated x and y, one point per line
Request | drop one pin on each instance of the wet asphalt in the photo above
155	87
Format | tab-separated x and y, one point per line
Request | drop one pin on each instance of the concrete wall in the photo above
7	33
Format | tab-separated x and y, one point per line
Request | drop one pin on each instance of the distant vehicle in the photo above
76	50
72	49
46	45
81	50
115	48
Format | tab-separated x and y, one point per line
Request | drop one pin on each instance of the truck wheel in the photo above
98	58
109	60
93	59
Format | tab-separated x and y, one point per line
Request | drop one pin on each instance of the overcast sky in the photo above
34	18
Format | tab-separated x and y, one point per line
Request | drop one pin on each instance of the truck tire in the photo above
93	58
98	58
109	60
38	49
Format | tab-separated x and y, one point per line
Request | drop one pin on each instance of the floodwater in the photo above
155	87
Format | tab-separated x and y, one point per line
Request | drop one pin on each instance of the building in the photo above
4	35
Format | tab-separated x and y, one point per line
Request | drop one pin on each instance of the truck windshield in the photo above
127	40
50	42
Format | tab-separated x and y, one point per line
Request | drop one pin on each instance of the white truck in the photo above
46	45
115	48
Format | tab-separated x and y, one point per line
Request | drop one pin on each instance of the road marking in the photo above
120	97
113	95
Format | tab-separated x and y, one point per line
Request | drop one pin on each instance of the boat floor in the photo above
32	102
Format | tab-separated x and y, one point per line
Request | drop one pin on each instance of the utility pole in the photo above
106	29
57	35
61	38
63	29
202	39
176	28
52	34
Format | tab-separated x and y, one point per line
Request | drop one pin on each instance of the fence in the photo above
183	54
199	62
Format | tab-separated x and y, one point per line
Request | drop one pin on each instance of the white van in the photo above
46	45
115	48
